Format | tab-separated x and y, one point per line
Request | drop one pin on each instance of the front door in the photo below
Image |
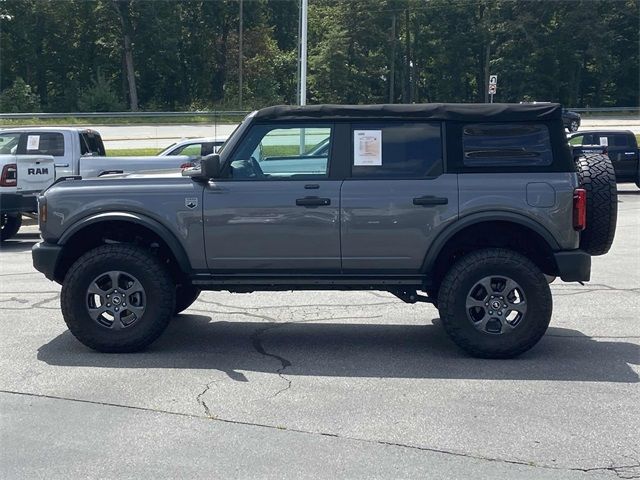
278	211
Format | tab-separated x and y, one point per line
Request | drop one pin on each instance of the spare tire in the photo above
598	178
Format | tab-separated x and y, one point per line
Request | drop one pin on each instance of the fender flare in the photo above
481	217
155	226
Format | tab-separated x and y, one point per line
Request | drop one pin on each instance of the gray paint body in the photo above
368	227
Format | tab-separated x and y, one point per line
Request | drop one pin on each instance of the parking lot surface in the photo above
324	385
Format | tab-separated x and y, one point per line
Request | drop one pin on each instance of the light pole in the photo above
303	52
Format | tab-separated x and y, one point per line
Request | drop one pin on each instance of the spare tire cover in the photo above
598	178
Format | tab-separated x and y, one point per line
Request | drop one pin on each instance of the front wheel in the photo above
495	303
10	224
117	298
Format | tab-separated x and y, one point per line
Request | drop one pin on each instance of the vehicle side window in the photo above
396	150
41	143
9	142
283	151
506	145
89	144
193	150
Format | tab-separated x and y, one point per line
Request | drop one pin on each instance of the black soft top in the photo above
475	112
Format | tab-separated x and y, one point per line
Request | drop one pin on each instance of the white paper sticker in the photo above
33	142
367	147
604	141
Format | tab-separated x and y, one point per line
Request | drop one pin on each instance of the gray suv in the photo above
473	208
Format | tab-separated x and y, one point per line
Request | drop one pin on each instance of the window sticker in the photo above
33	142
367	148
604	141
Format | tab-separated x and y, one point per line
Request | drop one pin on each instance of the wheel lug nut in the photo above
486	304
490	312
108	304
117	309
504	306
124	304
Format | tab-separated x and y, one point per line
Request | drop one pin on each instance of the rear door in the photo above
397	198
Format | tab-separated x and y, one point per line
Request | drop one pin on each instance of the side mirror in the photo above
210	166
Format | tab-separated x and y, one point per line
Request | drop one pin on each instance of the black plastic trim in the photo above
16	203
441	240
573	265
45	258
163	232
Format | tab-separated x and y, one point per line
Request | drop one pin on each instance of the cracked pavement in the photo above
324	385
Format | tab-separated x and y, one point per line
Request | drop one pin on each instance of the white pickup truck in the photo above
32	158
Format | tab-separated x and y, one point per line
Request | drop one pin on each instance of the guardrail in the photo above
605	109
213	114
219	113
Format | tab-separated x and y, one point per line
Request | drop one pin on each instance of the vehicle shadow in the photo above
354	350
629	192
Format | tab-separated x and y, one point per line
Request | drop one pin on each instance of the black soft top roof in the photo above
494	112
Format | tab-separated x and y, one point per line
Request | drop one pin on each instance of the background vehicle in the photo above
194	147
32	158
478	226
620	145
571	120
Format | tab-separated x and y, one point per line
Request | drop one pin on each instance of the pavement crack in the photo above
201	401
622	471
284	363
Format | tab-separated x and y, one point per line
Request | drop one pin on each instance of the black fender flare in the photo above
154	225
481	217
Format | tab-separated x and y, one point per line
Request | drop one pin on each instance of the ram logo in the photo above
37	171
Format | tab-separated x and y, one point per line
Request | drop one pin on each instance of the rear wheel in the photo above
117	298
598	178
10	224
495	303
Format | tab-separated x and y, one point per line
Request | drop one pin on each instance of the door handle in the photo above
312	201
62	165
428	200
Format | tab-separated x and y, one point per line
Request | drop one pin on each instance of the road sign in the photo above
492	89
493	79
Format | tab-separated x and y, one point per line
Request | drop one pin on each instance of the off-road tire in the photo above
185	296
151	273
598	178
463	276
11	223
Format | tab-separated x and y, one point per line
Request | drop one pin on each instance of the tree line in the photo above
108	55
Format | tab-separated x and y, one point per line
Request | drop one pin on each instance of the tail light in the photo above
42	210
187	165
9	177
579	209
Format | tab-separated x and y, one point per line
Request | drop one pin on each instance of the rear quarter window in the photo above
41	143
506	145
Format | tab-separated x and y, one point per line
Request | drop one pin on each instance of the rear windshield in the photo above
506	145
41	143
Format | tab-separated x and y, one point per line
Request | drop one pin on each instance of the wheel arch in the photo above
94	229
519	233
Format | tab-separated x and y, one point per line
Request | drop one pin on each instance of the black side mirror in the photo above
210	166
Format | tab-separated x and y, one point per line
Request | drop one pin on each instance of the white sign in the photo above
604	141
493	79
367	147
492	89
33	142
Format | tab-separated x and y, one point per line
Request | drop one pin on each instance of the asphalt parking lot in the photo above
324	385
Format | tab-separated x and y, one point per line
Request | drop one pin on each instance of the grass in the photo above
132	152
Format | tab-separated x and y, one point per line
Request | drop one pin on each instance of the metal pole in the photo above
240	58
303	52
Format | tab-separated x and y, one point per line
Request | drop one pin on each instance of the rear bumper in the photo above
16	203
46	257
573	265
